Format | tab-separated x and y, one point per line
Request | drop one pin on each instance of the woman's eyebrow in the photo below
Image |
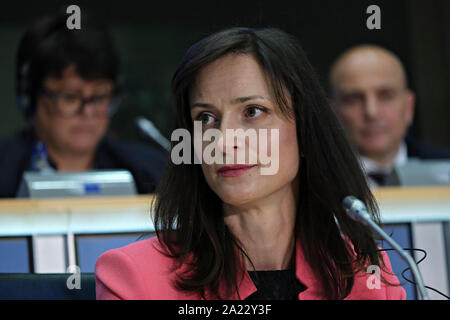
245	99
202	105
233	101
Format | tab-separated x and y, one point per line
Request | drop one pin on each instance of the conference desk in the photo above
59	232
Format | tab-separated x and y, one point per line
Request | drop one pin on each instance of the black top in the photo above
275	285
145	163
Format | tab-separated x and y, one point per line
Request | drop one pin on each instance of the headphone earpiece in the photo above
23	98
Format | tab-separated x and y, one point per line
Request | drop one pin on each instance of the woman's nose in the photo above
228	141
238	143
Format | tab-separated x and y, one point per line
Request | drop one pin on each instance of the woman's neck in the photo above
266	230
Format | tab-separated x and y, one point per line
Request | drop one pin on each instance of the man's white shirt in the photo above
370	166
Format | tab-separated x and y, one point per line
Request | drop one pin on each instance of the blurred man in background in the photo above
67	90
371	96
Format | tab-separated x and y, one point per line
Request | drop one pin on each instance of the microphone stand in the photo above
149	129
357	209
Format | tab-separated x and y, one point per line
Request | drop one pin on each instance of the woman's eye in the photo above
254	111
205	118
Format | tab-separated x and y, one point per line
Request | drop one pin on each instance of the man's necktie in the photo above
379	177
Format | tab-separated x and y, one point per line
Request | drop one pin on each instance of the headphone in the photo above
23	98
27	107
29	45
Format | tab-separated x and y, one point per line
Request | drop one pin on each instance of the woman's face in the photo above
82	131
233	92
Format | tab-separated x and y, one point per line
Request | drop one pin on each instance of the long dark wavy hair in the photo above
189	218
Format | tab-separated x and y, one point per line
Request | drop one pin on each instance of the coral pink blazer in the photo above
140	272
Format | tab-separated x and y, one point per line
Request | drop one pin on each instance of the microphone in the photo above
357	210
149	129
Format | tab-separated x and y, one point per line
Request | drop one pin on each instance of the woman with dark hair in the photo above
230	232
67	91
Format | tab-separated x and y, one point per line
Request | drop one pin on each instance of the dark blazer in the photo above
418	150
144	162
421	150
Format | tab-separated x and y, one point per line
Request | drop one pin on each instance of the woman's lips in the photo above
234	170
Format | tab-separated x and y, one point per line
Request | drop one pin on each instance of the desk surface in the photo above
413	204
133	214
411	193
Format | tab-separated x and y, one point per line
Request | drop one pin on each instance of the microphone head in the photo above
356	209
348	202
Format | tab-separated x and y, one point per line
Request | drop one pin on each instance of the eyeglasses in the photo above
69	104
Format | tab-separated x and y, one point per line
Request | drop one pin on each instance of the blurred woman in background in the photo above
67	90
